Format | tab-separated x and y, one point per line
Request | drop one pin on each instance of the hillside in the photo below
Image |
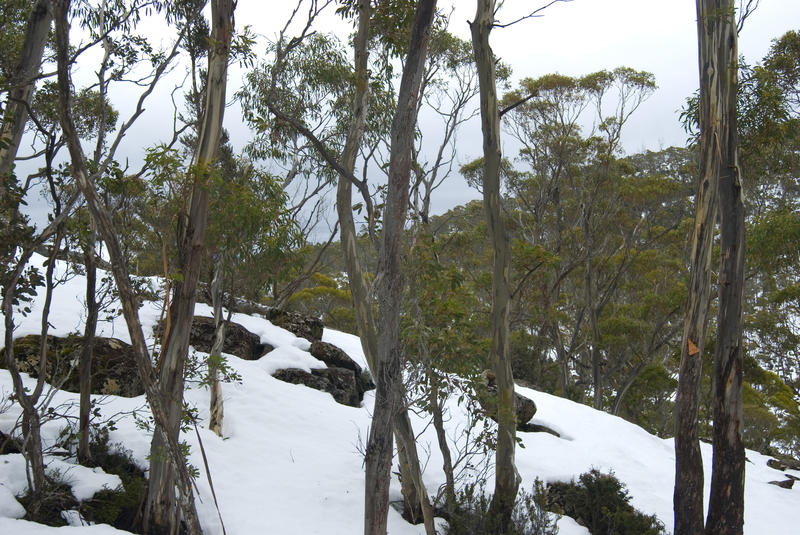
290	459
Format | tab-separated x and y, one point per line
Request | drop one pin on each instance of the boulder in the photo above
785	463
334	357
537	428
338	382
300	325
525	407
776	464
113	366
238	340
787	484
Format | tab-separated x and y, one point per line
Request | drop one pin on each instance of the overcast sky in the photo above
573	38
583	36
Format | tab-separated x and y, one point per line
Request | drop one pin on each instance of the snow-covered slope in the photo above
290	460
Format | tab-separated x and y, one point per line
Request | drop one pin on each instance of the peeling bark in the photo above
717	59
726	502
160	504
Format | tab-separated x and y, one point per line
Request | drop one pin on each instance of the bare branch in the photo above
533	14
746	8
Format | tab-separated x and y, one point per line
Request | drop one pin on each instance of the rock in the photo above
785	463
334	357
238	340
338	382
776	464
525	407
789	483
298	324
537	428
113	366
9	444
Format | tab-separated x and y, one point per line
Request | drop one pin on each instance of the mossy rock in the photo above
300	325
113	364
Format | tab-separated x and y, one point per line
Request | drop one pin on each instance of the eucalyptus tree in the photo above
506	475
719	186
282	116
161	511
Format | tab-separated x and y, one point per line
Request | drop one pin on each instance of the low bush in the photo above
530	516
602	504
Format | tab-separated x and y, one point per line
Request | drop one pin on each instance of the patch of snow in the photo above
9	506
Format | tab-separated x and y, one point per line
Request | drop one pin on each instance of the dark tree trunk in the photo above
22	85
714	60
506	476
726	503
451	502
389	396
85	363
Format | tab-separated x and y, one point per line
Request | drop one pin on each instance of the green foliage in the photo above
195	370
118	507
55	497
328	298
13	19
529	517
602	504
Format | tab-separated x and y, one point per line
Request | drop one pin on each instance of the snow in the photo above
291	458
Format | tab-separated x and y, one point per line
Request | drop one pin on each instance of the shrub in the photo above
601	503
119	507
530	516
46	508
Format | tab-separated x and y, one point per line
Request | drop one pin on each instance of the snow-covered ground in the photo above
290	457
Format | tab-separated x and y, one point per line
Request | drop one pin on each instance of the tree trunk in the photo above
688	494
506	477
451	502
85	363
215	403
128	299
23	83
389	396
160	505
413	490
726	503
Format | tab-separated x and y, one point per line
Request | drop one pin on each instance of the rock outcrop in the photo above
525	407
333	357
338	382
238	340
113	366
300	325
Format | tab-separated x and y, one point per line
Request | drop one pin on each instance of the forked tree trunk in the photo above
105	226
506	476
160	506
726	503
414	492
19	97
688	494
389	396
